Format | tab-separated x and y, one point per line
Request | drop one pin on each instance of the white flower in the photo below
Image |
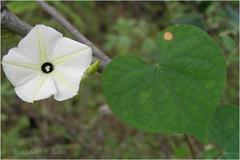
45	63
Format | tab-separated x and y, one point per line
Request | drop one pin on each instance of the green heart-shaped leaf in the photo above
224	131
178	94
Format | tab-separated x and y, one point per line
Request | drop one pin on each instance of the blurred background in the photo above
83	127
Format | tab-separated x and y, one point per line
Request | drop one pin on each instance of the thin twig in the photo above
12	22
79	37
190	146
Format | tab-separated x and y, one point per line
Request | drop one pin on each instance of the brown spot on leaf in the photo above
168	36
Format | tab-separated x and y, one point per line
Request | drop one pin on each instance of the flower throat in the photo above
47	67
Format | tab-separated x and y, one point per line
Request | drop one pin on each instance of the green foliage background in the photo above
82	127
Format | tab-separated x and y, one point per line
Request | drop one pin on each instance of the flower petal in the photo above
40	42
18	68
67	49
37	88
65	88
47	89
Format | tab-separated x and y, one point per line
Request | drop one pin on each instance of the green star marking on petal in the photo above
41	46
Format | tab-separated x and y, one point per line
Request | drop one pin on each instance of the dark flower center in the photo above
47	67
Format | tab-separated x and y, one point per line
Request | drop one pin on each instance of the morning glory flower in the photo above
45	63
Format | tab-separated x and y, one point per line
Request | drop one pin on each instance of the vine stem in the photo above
218	155
190	145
